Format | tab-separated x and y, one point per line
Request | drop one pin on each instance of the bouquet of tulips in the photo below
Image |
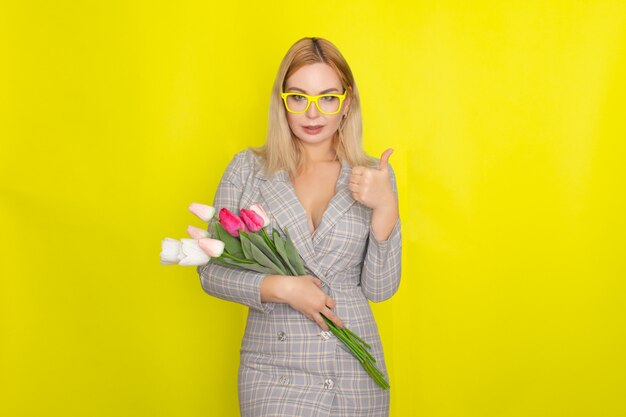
242	242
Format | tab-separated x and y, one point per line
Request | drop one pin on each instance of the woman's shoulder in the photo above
248	159
248	155
243	165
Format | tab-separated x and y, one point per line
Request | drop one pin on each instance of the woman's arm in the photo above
255	289
303	293
380	277
224	282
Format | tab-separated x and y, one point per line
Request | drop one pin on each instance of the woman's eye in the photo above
329	98
299	97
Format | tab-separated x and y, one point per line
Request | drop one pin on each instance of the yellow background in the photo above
507	120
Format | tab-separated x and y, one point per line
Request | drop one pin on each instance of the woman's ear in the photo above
346	105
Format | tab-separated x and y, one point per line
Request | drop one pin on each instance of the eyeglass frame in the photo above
313	99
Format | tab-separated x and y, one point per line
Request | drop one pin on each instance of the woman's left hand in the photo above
372	186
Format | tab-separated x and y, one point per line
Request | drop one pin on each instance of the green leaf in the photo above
260	243
292	254
232	245
280	248
232	263
245	245
260	257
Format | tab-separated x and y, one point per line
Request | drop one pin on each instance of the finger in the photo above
353	187
355	179
333	317
358	170
320	321
330	303
384	158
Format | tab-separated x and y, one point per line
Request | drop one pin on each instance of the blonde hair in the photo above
282	150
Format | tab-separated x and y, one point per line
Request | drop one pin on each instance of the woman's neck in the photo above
313	155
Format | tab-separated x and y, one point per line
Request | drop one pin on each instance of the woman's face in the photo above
315	79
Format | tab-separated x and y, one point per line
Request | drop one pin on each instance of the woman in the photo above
340	208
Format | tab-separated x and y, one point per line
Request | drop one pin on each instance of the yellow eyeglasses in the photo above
299	103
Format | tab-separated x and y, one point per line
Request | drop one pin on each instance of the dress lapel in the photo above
283	205
338	205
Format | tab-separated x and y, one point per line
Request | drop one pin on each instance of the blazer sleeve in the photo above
230	283
380	276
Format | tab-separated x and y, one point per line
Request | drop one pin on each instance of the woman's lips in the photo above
312	130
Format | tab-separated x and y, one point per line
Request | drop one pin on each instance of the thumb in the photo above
384	158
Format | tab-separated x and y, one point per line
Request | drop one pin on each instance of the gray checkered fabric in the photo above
288	366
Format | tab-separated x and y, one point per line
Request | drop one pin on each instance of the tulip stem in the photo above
245	261
356	337
267	239
356	346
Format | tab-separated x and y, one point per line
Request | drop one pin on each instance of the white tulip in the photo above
185	252
170	249
192	254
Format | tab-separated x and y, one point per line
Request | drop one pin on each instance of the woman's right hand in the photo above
304	294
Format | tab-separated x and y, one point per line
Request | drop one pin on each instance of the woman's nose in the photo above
312	112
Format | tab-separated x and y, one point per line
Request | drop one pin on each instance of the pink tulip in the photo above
231	222
253	221
258	209
204	212
197	233
212	247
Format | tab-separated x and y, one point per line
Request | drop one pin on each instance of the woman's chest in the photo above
343	225
315	191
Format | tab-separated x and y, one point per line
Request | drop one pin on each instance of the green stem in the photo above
359	352
365	353
354	342
267	239
244	261
357	338
377	376
354	348
357	342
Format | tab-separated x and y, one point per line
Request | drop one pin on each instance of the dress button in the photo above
329	384
282	336
283	380
325	335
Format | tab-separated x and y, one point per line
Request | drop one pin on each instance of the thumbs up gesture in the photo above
372	186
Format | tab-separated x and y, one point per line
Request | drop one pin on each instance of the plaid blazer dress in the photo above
288	365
